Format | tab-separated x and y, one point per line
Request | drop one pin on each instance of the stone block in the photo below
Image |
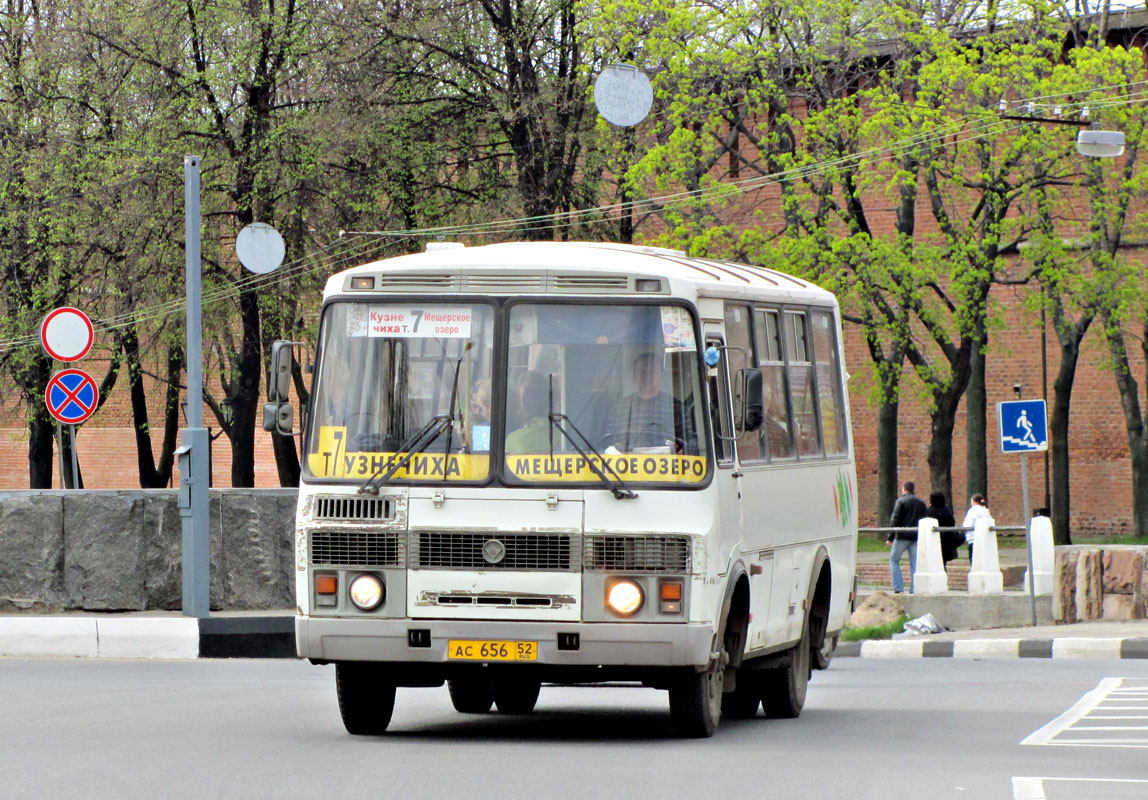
104	545
251	530
288	501
1123	570
1122	606
163	552
31	550
1089	584
1064	584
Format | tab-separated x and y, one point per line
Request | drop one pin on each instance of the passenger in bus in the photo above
649	417
529	406
478	408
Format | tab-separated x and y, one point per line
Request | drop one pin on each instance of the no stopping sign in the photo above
72	396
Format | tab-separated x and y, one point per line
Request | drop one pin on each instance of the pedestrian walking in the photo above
907	512
950	540
978	507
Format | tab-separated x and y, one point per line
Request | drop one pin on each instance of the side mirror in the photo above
279	382
748	400
279	418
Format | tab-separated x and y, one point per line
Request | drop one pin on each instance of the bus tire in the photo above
470	695
696	700
743	701
783	689
366	698
513	696
822	655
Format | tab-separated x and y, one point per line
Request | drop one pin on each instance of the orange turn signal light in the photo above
671	590
326	584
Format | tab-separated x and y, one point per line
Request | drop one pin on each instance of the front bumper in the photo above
600	644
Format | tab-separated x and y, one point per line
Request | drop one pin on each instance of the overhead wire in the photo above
964	130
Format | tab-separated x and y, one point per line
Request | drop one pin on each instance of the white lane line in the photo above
1083	706
1030	788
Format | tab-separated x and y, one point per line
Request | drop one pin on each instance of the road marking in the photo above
1029	788
1075	727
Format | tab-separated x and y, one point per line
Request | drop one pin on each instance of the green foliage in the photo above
886	631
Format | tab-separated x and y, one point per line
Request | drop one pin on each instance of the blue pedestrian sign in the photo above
1023	426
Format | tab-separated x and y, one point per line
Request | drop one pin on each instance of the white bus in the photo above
537	463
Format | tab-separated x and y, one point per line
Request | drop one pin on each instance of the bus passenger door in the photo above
726	474
757	546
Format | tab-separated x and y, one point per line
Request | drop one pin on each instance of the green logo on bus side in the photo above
843	498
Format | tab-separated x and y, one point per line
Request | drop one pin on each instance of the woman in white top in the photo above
977	509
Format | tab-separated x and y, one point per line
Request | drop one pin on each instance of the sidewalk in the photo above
149	634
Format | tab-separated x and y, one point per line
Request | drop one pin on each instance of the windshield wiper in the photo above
617	486
412	446
415	445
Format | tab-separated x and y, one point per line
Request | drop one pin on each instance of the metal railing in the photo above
1008	530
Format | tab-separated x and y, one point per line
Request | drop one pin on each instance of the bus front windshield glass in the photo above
388	371
622	379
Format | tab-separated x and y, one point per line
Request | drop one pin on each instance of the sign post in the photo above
194	455
66	334
1023	428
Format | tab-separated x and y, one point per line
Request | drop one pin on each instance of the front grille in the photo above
540	551
356	548
638	553
349	508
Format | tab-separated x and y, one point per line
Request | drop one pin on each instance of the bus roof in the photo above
529	267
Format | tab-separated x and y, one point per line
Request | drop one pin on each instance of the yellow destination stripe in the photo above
658	468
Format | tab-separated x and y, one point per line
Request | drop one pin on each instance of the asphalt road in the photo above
937	728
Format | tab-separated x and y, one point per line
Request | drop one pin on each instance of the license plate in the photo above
491	650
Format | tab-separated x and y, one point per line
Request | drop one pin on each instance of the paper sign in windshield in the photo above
415	322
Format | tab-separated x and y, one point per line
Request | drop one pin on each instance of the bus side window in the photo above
739	354
802	395
716	387
777	429
829	392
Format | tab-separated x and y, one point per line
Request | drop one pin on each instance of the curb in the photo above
148	637
1067	647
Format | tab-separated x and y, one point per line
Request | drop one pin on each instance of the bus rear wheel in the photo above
516	696
366	698
696	700
743	701
783	689
471	695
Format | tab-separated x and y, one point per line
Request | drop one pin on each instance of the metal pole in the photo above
194	470
75	459
1028	532
60	453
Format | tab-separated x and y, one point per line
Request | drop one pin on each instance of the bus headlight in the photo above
625	598
367	592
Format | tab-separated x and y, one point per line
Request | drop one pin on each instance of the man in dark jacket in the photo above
907	512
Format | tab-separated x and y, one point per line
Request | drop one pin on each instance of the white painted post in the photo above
930	577
985	575
1043	555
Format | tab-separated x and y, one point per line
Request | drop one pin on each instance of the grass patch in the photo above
885	631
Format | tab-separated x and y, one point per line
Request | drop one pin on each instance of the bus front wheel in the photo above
366	698
696	700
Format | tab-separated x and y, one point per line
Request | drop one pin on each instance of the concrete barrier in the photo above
985	576
930	577
1043	555
120	550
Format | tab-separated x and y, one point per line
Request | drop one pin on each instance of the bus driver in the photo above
649	417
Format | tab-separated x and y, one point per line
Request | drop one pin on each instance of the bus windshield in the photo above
623	379
386	371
